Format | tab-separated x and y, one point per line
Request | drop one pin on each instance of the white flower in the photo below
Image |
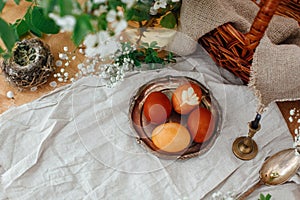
99	1
160	4
90	41
153	11
129	3
119	26
118	23
100	10
100	44
175	0
66	23
189	97
111	16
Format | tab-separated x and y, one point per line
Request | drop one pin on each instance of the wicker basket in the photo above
286	8
234	50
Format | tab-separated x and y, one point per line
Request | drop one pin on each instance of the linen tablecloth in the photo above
77	143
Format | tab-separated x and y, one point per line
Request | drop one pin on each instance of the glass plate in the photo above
144	129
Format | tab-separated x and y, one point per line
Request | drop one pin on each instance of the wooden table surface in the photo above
56	42
56	45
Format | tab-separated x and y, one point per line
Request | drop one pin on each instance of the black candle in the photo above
255	123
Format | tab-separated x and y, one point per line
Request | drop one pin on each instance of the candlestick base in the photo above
245	148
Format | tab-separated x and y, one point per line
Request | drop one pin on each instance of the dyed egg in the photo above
186	97
171	137
201	124
157	108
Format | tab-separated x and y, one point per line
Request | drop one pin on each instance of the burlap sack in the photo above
276	62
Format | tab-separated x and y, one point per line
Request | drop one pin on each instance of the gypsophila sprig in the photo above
126	59
221	196
295	117
296	144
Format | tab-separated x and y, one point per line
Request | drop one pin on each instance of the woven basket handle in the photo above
261	22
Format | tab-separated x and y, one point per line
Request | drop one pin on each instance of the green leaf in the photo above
139	12
137	63
42	22
263	197
168	21
66	7
1	50
17	2
82	27
170	58
21	27
8	35
2	4
152	56
153	44
113	4
6	55
145	45
48	5
102	23
33	29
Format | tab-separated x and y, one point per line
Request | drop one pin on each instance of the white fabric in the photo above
76	143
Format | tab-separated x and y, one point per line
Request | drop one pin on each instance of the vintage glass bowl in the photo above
144	129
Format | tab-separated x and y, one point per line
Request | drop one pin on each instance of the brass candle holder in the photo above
245	147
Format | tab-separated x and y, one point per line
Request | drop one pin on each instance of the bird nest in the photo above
30	65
